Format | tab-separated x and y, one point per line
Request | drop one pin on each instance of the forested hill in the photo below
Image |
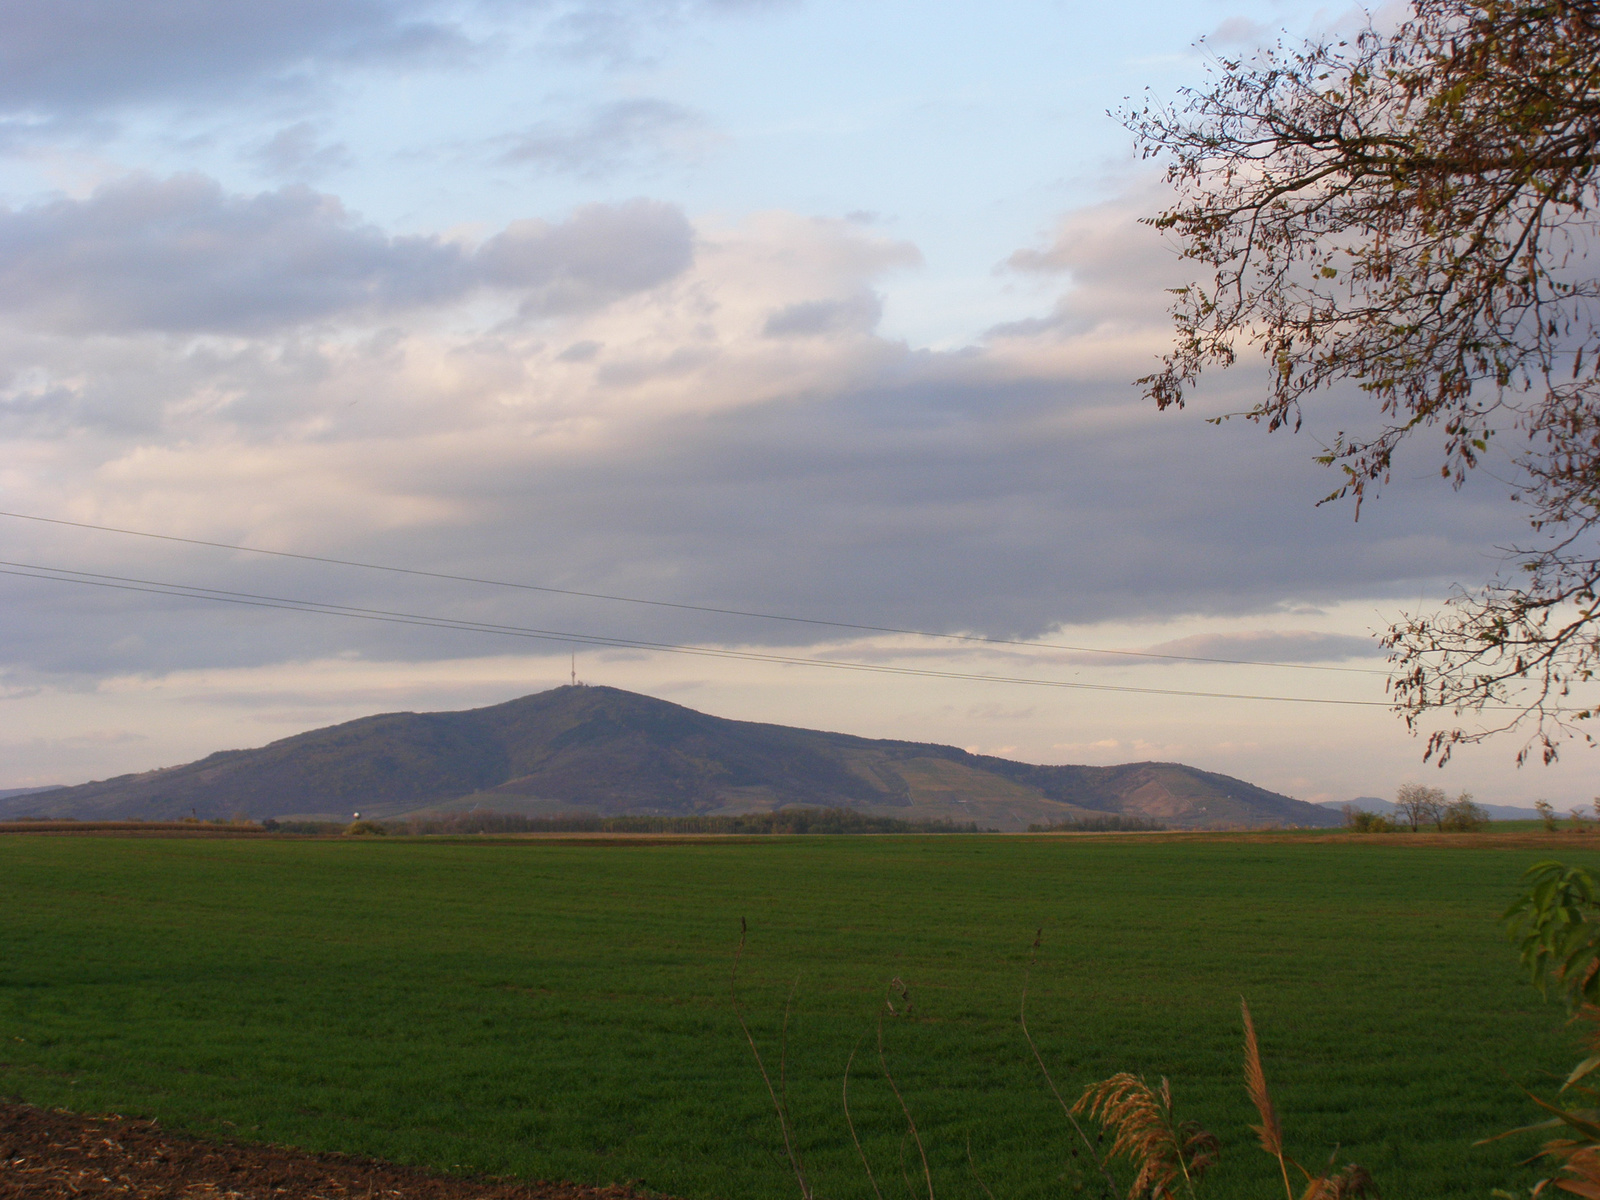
606	751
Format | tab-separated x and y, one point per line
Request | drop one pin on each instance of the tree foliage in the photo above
1554	925
1418	805
1411	211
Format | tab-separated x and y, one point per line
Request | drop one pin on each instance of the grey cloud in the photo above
75	58
613	30
181	255
296	152
1114	267
612	135
853	314
1299	646
69	56
599	253
964	494
580	352
943	503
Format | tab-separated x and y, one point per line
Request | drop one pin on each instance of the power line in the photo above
256	600
704	608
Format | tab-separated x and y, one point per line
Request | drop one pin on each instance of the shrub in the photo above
784	820
1359	820
1111	823
1463	815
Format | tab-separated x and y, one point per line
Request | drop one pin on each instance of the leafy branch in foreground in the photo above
1556	925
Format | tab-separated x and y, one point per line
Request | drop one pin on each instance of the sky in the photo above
777	308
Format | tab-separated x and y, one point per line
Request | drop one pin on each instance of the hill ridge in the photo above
584	748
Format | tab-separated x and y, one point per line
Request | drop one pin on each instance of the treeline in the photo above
1416	808
1113	823
789	820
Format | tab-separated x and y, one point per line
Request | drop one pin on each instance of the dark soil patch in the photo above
53	1155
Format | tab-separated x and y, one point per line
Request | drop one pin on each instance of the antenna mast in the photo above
574	668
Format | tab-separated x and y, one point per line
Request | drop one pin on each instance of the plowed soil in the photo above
55	1155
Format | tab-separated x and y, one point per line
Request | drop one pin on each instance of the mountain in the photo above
601	750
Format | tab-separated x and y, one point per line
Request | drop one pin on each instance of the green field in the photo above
562	1010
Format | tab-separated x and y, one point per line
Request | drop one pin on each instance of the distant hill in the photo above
606	751
8	793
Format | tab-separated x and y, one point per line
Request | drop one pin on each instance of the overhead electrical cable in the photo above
256	600
704	608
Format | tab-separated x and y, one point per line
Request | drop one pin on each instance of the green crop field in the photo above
554	1009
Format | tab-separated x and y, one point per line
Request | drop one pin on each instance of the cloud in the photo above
599	253
649	436
295	152
72	59
1240	32
180	255
859	313
625	132
613	30
1116	270
73	56
1300	646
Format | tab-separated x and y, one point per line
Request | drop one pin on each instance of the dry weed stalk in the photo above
1022	1019
779	1095
972	1166
888	1009
850	1122
1169	1155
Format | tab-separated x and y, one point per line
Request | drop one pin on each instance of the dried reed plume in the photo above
779	1096
1350	1181
1255	1083
1169	1156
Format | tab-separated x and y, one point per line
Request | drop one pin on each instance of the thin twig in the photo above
1022	1017
783	1045
777	1104
905	1176
883	1061
867	1166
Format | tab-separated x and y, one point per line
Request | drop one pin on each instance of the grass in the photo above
561	1009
